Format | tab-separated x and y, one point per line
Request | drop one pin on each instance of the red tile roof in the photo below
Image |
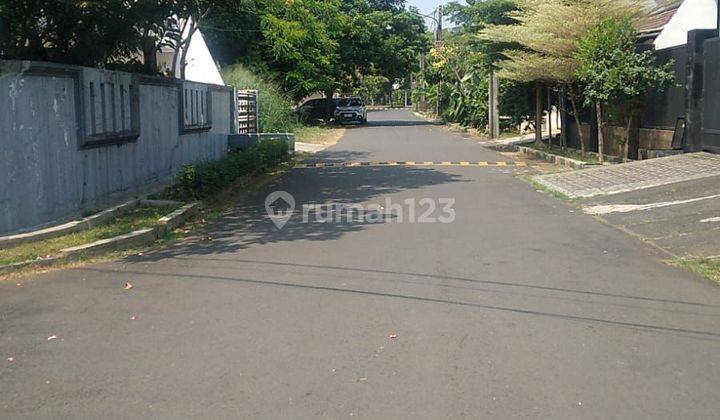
661	11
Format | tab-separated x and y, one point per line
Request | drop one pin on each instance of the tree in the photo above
92	33
613	71
315	45
372	87
546	53
300	43
461	68
477	15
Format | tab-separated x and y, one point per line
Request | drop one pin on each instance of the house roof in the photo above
659	14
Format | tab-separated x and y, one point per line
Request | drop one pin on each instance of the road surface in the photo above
521	307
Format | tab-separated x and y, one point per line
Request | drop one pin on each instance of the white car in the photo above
350	110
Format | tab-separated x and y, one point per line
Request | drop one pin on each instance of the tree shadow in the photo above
337	156
249	224
390	123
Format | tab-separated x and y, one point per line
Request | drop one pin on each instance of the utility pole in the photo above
439	29
438	45
493	104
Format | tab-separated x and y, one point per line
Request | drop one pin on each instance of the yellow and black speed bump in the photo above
408	163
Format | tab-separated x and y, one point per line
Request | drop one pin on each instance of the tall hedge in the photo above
276	112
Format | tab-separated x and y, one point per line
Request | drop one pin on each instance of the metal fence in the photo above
710	136
247	112
662	109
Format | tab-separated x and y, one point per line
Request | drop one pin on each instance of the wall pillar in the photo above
694	88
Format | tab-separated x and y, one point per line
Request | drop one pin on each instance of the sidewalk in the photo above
671	203
632	176
310	147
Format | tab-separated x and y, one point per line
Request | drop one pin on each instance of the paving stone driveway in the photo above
633	176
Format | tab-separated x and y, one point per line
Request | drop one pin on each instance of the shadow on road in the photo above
249	224
397	123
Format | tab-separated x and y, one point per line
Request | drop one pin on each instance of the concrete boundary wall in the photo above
76	140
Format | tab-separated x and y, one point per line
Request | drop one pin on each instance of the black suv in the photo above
315	109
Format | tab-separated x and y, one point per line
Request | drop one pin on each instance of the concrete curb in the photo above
140	237
556	159
159	203
137	238
507	145
44	262
70	227
177	218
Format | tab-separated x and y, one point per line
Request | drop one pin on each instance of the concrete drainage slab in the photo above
632	176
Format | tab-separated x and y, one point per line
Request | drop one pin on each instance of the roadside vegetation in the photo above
588	66
707	268
135	219
543	189
275	108
203	180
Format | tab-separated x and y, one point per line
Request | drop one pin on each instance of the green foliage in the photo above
307	45
475	16
468	104
91	33
371	88
200	181
319	45
612	69
275	108
459	71
300	43
516	103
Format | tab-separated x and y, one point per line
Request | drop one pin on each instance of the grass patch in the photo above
135	219
709	269
568	153
318	134
540	187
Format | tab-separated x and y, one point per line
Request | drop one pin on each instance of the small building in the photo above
199	63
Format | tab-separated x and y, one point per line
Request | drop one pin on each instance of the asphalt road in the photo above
520	308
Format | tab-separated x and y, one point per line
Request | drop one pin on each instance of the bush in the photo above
276	112
202	180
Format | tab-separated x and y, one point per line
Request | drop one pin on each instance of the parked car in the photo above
351	110
315	109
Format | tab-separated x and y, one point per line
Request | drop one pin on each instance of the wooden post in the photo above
563	118
601	135
538	114
549	97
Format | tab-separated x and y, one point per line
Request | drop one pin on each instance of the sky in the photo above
426	6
